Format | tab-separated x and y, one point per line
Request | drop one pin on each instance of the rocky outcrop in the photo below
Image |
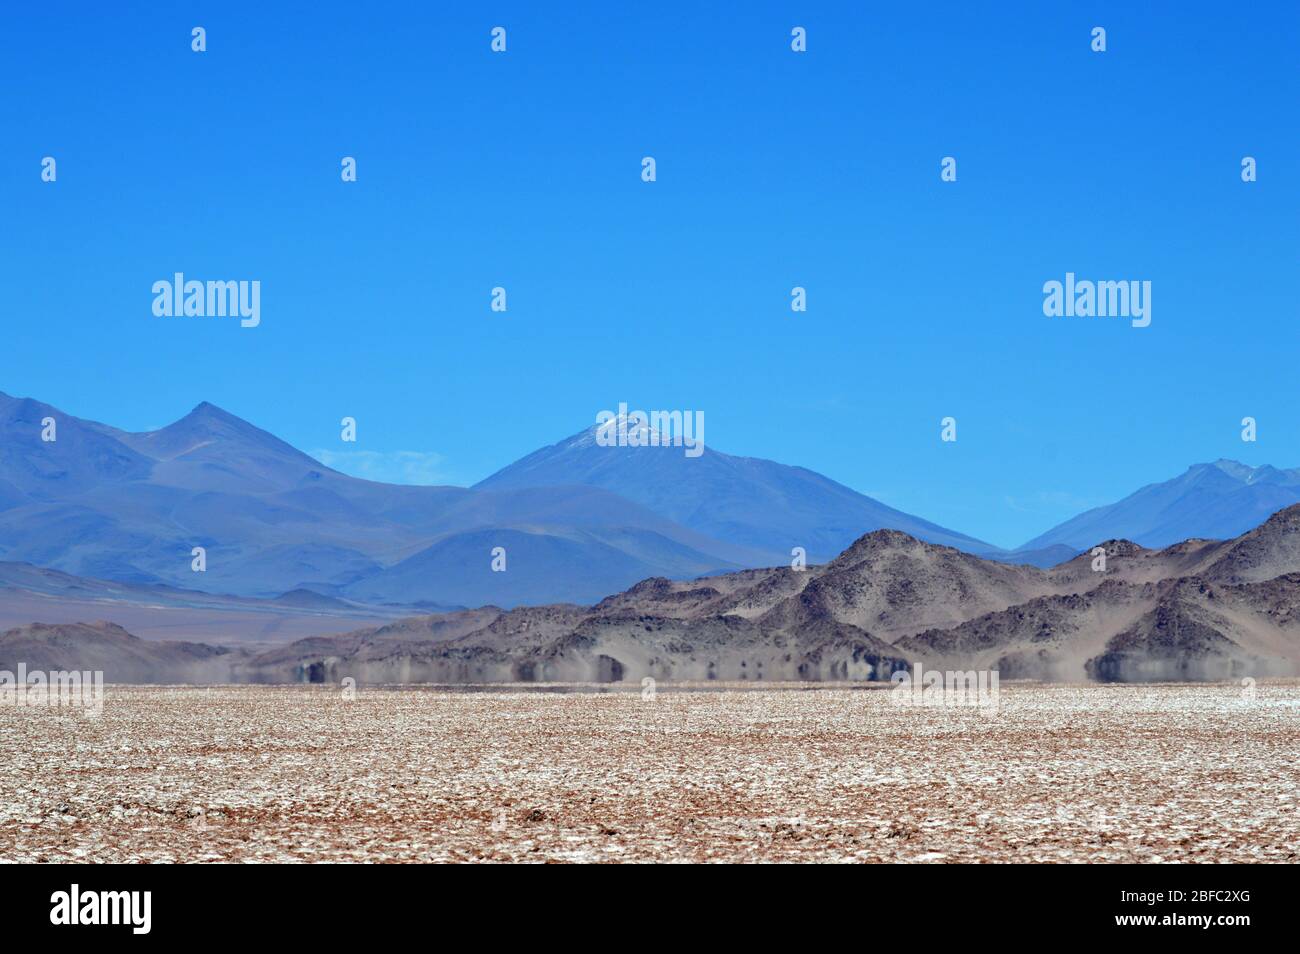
1197	610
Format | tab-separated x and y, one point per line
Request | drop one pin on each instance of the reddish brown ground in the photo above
794	773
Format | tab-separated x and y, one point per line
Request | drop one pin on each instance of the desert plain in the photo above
827	772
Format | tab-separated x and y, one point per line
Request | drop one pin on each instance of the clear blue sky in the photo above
775	169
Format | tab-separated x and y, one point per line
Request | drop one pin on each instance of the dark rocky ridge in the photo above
1196	610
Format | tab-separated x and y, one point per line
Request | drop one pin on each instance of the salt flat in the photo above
742	772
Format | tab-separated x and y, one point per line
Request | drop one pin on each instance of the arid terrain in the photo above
1214	610
734	772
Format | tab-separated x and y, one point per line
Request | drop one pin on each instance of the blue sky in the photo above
775	169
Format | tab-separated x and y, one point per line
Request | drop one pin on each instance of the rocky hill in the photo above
1197	610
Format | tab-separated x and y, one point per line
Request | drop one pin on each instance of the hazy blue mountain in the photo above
757	503
1042	557
559	566
578	521
83	456
105	503
29	593
1218	501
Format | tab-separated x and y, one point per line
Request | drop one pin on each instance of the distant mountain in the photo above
1217	501
577	520
1198	610
156	611
574	564
103	503
757	503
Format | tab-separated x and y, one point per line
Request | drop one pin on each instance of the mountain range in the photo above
755	503
160	612
1217	500
1200	609
103	503
577	520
